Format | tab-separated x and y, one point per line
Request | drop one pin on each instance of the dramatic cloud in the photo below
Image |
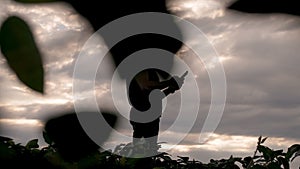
259	54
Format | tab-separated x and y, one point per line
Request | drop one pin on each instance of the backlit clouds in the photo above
194	9
223	146
261	71
260	55
25	122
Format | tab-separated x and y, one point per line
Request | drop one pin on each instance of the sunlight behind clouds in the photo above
195	9
260	56
59	31
22	122
221	143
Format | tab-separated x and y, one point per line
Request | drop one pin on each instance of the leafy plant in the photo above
269	158
31	156
21	52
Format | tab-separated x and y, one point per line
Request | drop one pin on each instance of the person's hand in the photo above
172	89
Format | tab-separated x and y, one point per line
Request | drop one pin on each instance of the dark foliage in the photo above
31	156
66	134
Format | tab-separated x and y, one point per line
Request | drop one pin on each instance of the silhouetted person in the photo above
100	14
148	80
146	103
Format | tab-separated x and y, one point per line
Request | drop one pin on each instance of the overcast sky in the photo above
259	54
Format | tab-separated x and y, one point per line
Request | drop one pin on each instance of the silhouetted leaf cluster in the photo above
68	145
269	158
15	155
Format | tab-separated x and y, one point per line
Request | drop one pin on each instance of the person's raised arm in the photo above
146	83
175	84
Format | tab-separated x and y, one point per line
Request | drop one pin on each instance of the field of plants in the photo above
14	155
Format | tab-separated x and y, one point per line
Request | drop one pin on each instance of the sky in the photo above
259	54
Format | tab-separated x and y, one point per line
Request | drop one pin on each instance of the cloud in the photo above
22	130
197	8
261	70
223	146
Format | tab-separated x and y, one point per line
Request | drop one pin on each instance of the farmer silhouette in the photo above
146	92
150	86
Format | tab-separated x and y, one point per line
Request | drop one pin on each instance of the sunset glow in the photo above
22	122
259	54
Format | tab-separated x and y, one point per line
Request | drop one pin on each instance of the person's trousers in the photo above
147	130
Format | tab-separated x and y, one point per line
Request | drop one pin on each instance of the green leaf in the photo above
47	138
256	166
183	159
4	139
263	140
35	1
165	156
259	140
284	162
296	155
273	165
246	161
292	150
266	151
6	152
32	144
22	55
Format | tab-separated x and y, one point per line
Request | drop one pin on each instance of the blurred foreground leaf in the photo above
70	138
22	55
